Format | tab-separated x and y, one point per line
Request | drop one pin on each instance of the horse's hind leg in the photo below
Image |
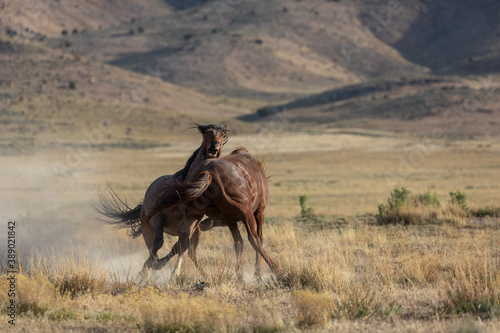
259	218
238	248
153	236
148	234
163	261
252	230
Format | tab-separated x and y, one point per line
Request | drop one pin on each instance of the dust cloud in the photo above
54	216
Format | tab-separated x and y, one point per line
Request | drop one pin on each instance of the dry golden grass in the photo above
342	274
341	277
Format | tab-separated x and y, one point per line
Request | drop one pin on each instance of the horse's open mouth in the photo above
212	153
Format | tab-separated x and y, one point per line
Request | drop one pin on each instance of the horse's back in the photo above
238	171
239	159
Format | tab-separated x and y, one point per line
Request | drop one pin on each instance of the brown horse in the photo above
228	190
168	220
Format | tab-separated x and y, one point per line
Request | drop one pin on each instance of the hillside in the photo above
454	107
50	98
221	61
256	50
38	19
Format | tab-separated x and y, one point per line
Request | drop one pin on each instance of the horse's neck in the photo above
195	166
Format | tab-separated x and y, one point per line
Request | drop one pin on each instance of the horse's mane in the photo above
181	174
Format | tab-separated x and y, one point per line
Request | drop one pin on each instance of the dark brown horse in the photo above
228	190
168	220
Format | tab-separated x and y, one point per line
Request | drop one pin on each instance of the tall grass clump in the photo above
457	210
34	294
73	274
312	309
475	288
488	211
161	313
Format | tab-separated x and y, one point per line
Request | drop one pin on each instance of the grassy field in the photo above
342	173
346	275
344	271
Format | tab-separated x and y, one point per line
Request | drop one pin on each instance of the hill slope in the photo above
49	98
224	60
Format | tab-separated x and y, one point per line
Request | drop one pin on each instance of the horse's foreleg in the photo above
195	240
162	262
208	224
183	246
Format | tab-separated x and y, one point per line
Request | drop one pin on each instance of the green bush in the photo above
459	198
405	208
305	211
427	199
398	198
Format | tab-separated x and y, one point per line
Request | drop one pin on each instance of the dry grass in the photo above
341	276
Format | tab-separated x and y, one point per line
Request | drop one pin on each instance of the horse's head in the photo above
214	137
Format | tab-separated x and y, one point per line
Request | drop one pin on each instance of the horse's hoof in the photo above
258	278
202	285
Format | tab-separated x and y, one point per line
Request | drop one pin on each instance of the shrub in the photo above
141	29
427	199
304	210
72	85
405	208
459	198
485	212
398	198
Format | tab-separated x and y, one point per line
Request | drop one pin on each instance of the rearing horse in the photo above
228	189
168	220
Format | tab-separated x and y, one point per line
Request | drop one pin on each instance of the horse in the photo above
229	189
168	220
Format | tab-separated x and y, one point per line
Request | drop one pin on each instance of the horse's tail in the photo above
176	193
119	213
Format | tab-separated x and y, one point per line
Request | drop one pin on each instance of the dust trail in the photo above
54	215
